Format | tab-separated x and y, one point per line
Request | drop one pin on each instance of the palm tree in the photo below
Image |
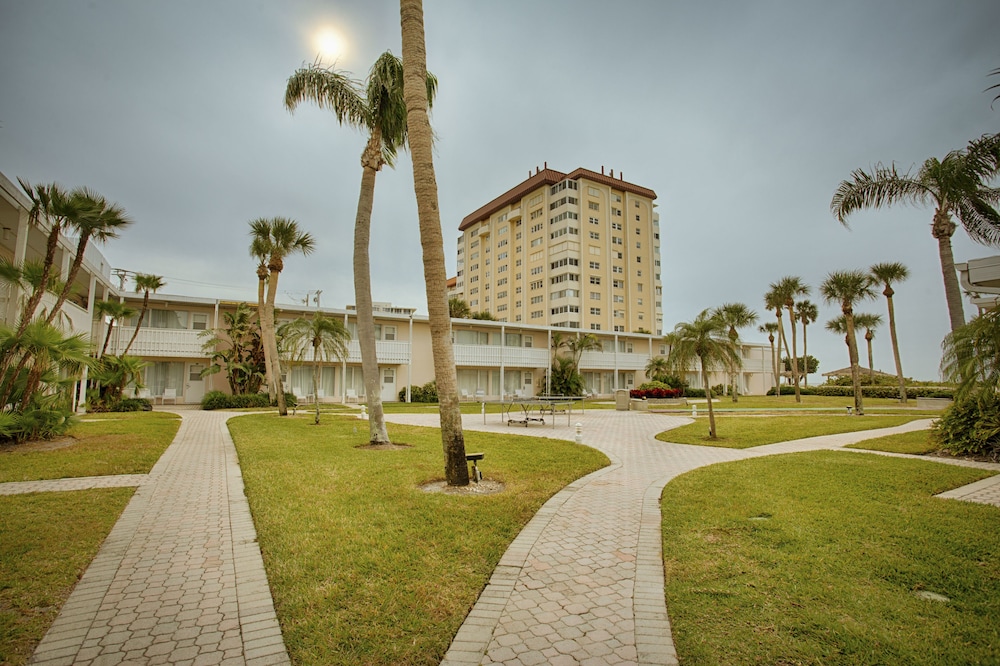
326	337
783	293
94	218
972	356
807	313
458	308
114	311
657	368
260	249
957	186
775	301
420	139
869	322
241	355
45	354
580	344
887	273
281	237
847	288
145	283
771	328
706	339
735	316
381	112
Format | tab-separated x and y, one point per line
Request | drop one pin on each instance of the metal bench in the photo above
473	458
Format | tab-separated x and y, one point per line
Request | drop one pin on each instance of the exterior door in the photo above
194	387
389	385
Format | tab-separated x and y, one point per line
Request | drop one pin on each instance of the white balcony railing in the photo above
493	356
387	352
158	342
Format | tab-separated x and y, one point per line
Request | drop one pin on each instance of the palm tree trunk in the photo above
107	337
852	352
805	356
895	348
425	187
871	359
782	340
264	339
316	379
795	359
774	369
138	323
942	229
371	162
708	394
74	269
279	389
36	295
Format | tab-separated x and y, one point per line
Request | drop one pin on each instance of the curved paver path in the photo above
180	579
583	582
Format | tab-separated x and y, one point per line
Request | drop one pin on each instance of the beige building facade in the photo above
578	250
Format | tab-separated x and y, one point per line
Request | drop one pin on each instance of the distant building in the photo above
578	250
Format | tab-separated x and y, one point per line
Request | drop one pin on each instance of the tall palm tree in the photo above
958	186
326	337
579	344
869	322
735	316
93	218
115	311
774	300
807	313
145	283
771	328
785	291
260	249
380	111
848	288
706	339
887	273
280	237
411	13
51	204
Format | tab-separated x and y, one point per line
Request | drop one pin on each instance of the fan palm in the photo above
706	339
735	316
113	311
145	283
420	139
771	328
869	322
847	289
277	237
958	186
657	368
327	339
260	244
807	313
888	273
381	112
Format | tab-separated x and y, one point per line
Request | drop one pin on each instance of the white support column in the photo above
20	251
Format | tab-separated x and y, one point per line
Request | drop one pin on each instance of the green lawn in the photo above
105	444
47	540
818	558
743	432
365	567
918	443
808	402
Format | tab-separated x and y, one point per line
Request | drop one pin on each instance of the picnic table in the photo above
525	411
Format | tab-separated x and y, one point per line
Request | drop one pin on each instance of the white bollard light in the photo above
364	413
579	433
694	410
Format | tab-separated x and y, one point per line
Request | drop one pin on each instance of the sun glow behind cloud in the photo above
329	45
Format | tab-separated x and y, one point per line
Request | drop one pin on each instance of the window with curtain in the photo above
164	375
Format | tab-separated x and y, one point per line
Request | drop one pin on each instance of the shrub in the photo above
694	393
426	393
122	405
661	391
971	426
220	400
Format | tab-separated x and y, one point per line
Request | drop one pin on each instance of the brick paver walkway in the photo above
583	582
180	579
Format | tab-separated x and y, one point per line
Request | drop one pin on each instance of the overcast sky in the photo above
742	116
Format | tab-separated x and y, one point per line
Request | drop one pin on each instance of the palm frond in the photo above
882	186
328	89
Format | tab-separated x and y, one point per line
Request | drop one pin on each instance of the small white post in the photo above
694	410
364	413
579	433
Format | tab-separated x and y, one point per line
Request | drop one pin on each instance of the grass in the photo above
918	442
743	432
47	540
817	558
840	403
366	568
129	443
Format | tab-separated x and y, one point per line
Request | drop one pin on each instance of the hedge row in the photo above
891	392
220	400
